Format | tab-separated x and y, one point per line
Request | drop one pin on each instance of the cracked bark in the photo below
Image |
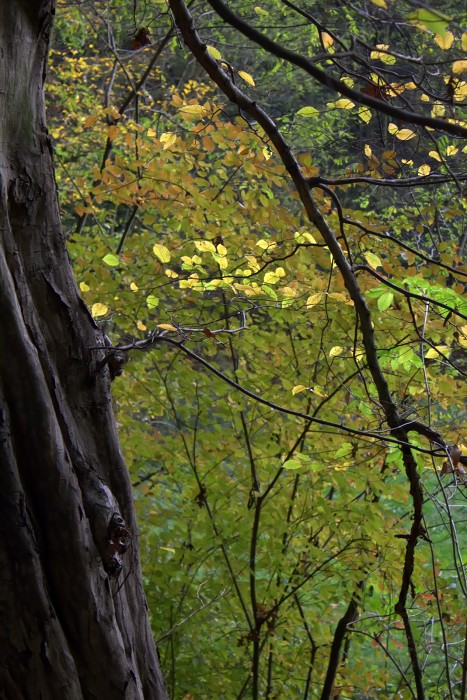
73	625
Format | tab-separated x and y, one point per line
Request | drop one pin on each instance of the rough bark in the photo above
73	624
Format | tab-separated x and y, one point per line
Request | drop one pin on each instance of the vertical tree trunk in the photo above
73	625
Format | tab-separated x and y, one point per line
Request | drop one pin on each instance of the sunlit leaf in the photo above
365	114
459	66
405	134
445	41
152	301
111	260
246	77
215	53
429	20
193	111
308	112
298	389
424	170
385	301
99	309
344	103
161	252
336	350
292	464
314	299
372	259
435	352
327	40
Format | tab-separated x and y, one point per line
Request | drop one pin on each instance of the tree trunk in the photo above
73	614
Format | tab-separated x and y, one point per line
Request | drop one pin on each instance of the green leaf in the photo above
429	20
308	112
152	301
292	464
385	301
111	259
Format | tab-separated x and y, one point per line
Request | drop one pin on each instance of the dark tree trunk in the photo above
72	625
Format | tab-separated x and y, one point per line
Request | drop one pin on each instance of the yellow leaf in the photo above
382	55
344	103
260	11
161	252
134	287
438	110
84	287
336	350
171	274
436	156
338	296
205	246
365	114
380	3
280	272
392	128
424	170
193	111
464	41
214	52
452	150
166	326
314	299
99	309
372	259
270	278
246	77
168	139
303	237
432	353
459	66
445	42
367	151
262	244
405	134
288	292
298	389
327	40
140	325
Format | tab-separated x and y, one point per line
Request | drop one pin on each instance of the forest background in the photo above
279	266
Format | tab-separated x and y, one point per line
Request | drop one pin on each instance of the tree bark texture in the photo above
74	622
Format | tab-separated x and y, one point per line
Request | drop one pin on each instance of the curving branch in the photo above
328	80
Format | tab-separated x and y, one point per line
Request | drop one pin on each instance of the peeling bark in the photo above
73	611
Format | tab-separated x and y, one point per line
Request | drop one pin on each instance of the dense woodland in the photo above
265	209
